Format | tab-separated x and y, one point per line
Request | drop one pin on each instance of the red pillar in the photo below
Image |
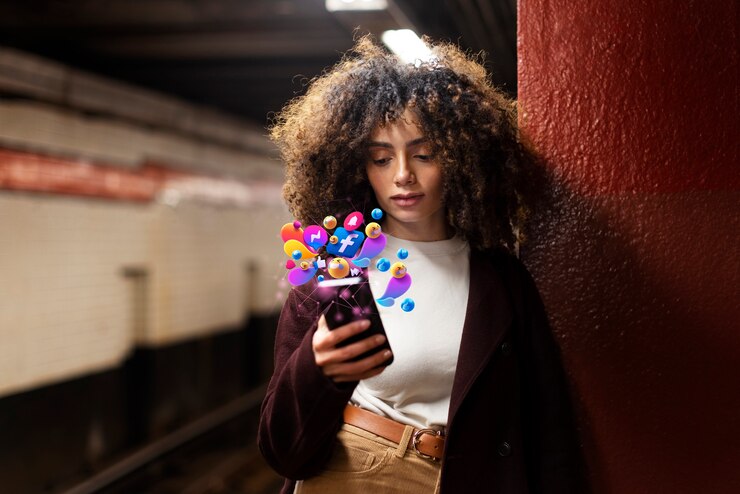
633	105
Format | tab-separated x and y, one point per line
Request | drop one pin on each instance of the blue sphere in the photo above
320	277
407	305
376	214
383	264
402	254
296	254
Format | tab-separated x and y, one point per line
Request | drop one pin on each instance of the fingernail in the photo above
365	324
379	339
387	353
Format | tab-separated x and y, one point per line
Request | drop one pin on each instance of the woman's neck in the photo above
417	231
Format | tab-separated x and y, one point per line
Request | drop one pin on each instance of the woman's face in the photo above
407	181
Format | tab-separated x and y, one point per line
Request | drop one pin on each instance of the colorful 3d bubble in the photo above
330	222
398	270
396	287
290	232
315	237
383	264
301	246
372	230
298	276
408	305
353	221
371	248
338	267
293	245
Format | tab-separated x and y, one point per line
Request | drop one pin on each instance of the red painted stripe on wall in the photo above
37	173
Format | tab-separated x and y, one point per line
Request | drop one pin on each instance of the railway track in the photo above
216	454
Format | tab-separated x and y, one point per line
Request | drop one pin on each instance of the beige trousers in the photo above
365	463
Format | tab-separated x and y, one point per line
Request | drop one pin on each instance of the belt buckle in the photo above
417	439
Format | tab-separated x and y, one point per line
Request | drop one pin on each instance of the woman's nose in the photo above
404	175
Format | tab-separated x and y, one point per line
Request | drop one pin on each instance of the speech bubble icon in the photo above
291	231
315	237
293	245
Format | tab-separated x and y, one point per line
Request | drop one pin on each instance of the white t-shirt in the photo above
415	389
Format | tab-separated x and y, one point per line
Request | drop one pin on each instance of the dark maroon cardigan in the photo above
510	427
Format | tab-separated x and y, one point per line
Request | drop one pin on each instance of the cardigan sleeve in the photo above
302	410
555	463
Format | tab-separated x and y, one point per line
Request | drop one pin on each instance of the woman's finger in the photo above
357	368
328	339
345	353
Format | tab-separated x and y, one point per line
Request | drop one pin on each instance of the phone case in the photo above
353	300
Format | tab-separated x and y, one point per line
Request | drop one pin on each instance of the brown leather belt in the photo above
427	443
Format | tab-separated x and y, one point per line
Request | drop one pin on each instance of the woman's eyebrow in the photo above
416	142
411	143
377	144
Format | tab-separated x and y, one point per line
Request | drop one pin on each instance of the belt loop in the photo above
403	445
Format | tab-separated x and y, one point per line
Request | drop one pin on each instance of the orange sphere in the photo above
398	270
372	230
330	222
338	267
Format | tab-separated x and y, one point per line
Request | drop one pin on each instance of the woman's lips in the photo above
407	201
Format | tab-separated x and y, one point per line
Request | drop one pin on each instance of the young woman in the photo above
475	399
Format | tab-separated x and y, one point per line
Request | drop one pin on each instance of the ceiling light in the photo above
335	5
407	45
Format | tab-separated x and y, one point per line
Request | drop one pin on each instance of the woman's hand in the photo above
334	362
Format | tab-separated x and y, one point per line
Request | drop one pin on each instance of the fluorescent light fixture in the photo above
336	5
407	45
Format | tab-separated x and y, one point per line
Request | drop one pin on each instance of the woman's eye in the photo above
423	157
381	161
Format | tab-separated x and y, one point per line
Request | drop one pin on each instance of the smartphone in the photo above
351	299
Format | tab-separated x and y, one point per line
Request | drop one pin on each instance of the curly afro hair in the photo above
471	126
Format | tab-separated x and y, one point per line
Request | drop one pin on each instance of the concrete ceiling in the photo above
246	57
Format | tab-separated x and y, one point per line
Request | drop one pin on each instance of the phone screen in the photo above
351	299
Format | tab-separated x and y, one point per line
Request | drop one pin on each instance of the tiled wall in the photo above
89	168
66	308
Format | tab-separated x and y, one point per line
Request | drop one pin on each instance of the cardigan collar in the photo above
487	319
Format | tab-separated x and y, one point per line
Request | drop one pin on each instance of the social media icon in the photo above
347	243
315	237
353	221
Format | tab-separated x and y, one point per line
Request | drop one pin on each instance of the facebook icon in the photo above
347	243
